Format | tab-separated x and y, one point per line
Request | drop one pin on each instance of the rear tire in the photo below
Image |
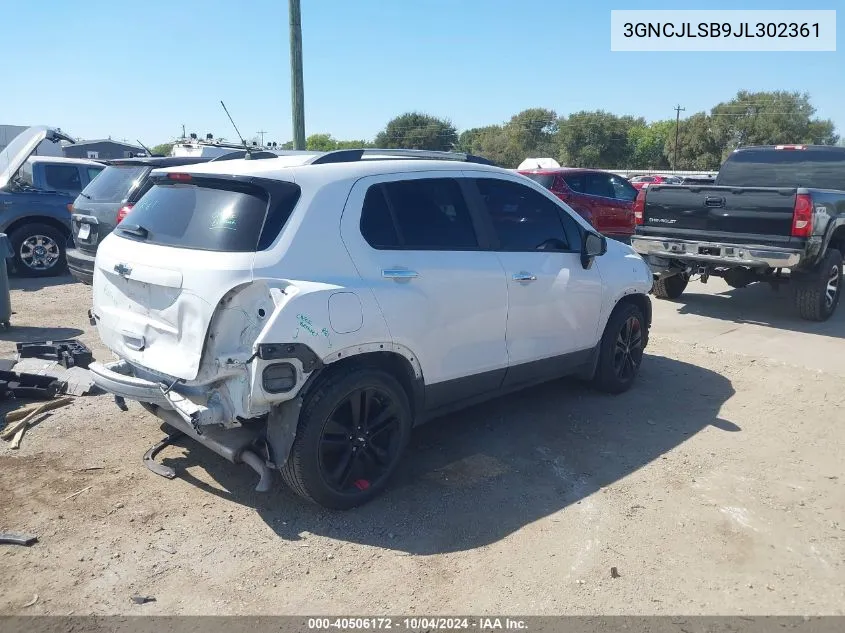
670	287
341	459
622	347
40	250
816	297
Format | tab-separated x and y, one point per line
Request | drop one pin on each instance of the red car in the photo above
639	181
605	200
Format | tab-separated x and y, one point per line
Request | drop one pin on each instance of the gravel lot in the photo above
716	486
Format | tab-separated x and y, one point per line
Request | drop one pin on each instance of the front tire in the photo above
670	287
352	431
622	347
40	250
817	297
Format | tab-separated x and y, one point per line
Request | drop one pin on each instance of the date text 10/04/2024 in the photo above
721	29
417	624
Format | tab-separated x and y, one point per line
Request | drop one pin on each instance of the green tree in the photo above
769	118
698	148
596	139
162	149
320	143
648	143
414	130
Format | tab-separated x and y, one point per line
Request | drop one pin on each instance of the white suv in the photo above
303	313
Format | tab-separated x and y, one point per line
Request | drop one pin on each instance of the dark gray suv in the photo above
106	201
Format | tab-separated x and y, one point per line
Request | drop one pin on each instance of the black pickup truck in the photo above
771	209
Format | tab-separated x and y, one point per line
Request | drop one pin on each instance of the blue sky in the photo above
132	70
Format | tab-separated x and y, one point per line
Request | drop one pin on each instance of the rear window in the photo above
230	219
544	180
115	183
814	168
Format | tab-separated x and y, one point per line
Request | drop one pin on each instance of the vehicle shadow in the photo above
758	304
475	477
32	284
29	334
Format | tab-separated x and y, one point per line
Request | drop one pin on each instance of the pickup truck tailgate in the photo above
677	210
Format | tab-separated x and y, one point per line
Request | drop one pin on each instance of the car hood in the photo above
22	146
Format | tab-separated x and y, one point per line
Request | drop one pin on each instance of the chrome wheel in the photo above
628	350
832	288
39	252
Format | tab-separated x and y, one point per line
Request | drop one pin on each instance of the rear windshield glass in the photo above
208	218
814	168
114	183
545	180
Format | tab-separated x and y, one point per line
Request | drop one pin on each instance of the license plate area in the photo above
713	251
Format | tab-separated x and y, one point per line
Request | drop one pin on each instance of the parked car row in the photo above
36	194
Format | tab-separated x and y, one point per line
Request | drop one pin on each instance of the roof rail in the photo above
354	155
243	154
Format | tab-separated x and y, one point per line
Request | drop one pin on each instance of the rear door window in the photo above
62	177
228	218
427	214
599	185
115	183
575	182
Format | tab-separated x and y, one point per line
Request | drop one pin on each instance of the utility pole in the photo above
678	110
261	133
296	84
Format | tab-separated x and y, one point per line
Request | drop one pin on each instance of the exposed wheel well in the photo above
38	219
391	362
639	300
837	240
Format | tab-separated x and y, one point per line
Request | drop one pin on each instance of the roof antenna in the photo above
146	149
237	131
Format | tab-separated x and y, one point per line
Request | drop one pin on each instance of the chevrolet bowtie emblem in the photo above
123	270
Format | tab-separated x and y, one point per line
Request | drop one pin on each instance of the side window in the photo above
430	214
524	219
598	184
376	222
622	189
62	177
93	172
575	182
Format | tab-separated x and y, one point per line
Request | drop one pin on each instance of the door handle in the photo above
524	277
399	273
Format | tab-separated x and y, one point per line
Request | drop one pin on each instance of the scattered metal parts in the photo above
150	455
614	573
32	602
142	599
10	538
120	401
68	353
33	386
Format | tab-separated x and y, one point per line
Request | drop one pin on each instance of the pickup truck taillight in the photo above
802	216
639	206
123	212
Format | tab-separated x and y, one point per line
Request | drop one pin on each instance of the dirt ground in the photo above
715	486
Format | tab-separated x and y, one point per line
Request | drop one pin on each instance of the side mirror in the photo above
593	246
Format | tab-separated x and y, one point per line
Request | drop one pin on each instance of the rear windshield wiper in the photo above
134	229
85	195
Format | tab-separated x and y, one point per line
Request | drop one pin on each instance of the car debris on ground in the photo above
10	538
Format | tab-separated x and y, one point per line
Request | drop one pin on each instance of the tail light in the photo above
180	177
70	207
639	206
802	216
123	212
